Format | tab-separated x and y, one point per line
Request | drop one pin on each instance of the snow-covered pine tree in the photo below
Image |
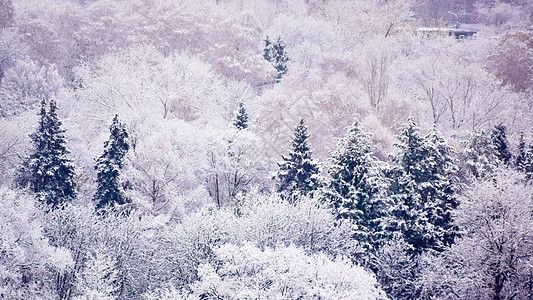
408	216
441	188
276	55
268	51
499	140
524	158
48	172
108	166
423	190
298	173
480	155
521	155
241	119
356	189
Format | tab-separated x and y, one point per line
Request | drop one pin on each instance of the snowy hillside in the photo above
266	149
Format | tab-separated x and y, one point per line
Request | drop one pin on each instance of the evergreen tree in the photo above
48	172
241	119
356	187
521	156
409	215
480	155
268	51
299	173
108	166
527	165
423	189
499	140
524	159
442	188
276	55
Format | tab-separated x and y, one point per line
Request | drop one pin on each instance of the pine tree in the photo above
499	140
241	119
268	51
524	159
527	164
423	189
441	188
108	166
480	155
48	172
521	156
299	173
276	55
409	215
356	187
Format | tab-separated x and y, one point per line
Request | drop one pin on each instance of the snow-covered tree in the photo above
442	187
499	140
492	259
241	118
48	172
524	158
108	166
480	156
298	173
357	186
99	277
28	262
395	268
527	165
275	53
423	189
520	157
247	272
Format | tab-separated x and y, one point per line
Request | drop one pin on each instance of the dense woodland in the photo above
273	149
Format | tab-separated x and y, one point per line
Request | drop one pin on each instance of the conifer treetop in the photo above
241	118
47	171
108	165
298	172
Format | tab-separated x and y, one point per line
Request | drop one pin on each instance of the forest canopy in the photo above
273	149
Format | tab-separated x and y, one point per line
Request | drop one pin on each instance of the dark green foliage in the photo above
524	158
480	155
521	155
442	188
298	174
276	55
108	166
356	187
499	140
423	189
48	172
241	119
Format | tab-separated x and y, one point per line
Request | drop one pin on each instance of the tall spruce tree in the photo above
441	188
108	166
47	171
356	189
423	189
299	173
241	119
499	140
275	53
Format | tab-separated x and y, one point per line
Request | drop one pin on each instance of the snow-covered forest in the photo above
266	149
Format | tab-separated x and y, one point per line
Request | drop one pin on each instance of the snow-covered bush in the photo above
247	272
28	263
